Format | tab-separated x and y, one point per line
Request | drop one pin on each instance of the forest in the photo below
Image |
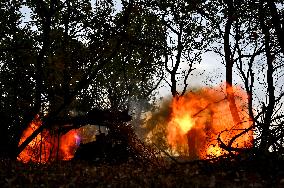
98	93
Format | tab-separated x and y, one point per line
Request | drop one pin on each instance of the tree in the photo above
137	70
75	57
17	57
251	44
187	37
95	64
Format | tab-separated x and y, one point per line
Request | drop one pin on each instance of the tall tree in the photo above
187	37
16	57
47	20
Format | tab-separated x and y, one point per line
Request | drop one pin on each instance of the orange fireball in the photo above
47	147
197	118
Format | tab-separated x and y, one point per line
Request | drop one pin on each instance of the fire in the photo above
48	146
197	118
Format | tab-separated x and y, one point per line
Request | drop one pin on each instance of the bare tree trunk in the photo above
229	64
173	72
265	134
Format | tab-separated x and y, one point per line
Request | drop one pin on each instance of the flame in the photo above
47	147
197	118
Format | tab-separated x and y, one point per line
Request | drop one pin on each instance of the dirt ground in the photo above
132	174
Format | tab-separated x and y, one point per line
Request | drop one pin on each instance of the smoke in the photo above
138	109
155	125
161	115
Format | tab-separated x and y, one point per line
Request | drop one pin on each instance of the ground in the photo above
133	174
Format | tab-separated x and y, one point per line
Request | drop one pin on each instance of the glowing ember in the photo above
197	118
46	147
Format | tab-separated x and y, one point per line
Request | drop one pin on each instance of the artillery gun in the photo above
117	145
111	147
